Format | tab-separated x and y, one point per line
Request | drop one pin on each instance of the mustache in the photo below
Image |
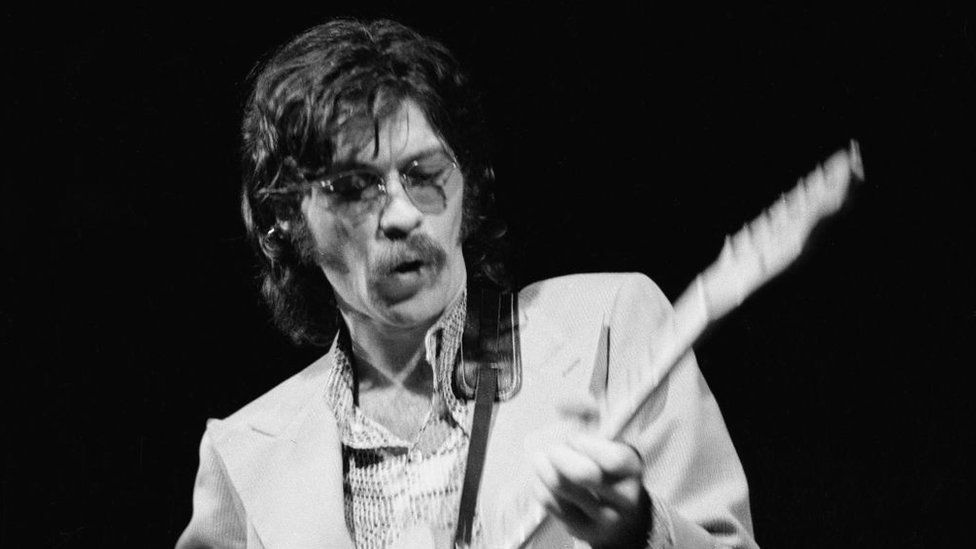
416	247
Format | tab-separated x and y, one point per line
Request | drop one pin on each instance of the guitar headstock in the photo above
768	244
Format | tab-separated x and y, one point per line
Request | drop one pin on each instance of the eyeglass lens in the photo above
424	181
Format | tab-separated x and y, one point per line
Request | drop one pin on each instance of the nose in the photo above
399	216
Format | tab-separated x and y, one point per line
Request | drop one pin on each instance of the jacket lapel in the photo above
287	466
301	504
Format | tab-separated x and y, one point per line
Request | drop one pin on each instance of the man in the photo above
366	182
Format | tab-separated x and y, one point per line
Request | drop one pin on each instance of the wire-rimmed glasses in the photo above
425	180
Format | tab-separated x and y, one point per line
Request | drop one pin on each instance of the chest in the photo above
403	413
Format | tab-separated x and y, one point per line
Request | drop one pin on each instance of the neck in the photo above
387	357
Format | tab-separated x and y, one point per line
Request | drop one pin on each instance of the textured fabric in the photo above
392	485
271	474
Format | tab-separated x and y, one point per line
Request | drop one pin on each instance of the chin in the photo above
422	307
412	312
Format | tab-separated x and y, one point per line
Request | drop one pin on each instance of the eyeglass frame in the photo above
326	183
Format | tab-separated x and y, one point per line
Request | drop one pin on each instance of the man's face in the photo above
392	263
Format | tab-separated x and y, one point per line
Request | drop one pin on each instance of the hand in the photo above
593	486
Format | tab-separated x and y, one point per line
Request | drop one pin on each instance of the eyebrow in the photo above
351	164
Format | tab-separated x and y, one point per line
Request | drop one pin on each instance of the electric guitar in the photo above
750	258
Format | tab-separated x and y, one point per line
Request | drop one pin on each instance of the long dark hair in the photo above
338	77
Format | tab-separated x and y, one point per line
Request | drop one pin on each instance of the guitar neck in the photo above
749	259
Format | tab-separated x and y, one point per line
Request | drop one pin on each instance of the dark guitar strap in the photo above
491	346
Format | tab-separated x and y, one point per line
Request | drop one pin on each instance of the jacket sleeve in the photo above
692	473
218	519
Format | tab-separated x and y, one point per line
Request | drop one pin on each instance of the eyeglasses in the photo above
355	192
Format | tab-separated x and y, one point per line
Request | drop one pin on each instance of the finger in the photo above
620	471
543	494
577	522
559	508
563	471
616	460
583	527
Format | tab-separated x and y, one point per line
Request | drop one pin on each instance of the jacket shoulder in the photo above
569	296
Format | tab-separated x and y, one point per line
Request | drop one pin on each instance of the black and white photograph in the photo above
499	274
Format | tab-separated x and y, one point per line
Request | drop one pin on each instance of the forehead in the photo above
384	142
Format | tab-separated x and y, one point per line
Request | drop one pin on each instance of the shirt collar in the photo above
442	344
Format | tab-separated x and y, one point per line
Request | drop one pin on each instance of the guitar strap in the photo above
491	348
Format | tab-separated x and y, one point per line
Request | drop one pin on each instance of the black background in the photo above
626	139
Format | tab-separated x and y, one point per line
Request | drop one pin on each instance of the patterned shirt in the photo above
391	485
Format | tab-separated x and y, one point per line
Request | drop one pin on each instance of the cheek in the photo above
330	257
322	240
446	230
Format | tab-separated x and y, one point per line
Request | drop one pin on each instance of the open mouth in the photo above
408	266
